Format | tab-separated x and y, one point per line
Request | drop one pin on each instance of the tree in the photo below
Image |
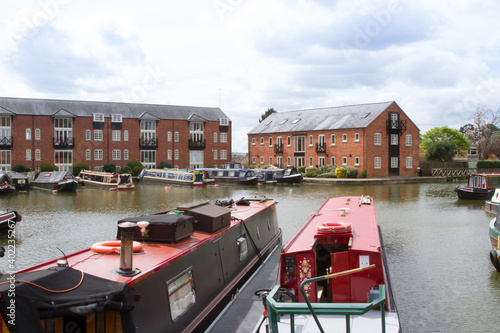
267	114
481	131
445	133
443	151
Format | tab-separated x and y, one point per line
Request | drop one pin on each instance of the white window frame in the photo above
28	154
377	139
176	154
215	155
377	162
344	137
98	135
28	134
169	154
125	154
38	155
288	143
98	155
409	162
394	139
169	136
116	155
253	141
223	137
270	141
88	135
344	160
262	160
288	161
215	137
88	155
148	158
125	135
176	137
321	161
261	140
224	122
332	160
37	134
356	161
116	135
253	159
98	117
223	154
409	140
356	137
394	163
270	160
116	118
332	140
311	140
311	162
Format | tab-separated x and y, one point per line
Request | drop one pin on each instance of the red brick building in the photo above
37	131
378	138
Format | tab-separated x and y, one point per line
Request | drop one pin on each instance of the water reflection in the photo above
437	246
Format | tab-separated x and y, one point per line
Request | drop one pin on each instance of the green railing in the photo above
276	309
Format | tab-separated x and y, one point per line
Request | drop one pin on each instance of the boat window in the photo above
181	294
170	175
493	181
220	173
188	177
231	174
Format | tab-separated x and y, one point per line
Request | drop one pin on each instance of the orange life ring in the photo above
113	246
334	227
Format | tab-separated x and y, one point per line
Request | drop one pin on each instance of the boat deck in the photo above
154	255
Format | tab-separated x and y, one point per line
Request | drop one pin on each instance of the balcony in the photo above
396	126
6	142
148	143
64	143
320	147
196	144
278	148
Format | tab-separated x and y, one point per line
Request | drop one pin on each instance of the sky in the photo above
438	60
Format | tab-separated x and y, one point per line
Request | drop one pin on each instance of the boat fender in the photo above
494	259
334	227
108	247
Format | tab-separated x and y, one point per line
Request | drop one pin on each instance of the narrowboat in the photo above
6	185
112	181
334	275
289	175
20	180
8	220
480	186
494	233
491	206
169	272
60	181
176	177
233	176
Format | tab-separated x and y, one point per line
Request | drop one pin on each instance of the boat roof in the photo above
361	217
102	173
156	255
51	176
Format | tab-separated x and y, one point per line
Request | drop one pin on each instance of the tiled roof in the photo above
340	117
47	107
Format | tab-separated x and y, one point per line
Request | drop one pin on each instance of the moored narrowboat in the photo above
109	180
169	272
8	220
480	186
6	185
20	180
60	181
334	275
176	177
233	176
491	205
290	175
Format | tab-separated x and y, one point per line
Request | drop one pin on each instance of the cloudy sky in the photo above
438	60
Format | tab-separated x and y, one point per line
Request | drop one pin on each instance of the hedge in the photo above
487	164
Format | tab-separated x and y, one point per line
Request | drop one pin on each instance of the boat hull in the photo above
8	220
471	193
64	186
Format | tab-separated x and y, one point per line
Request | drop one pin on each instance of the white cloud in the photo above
437	60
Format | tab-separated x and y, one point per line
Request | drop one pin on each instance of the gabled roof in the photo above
48	107
63	113
340	117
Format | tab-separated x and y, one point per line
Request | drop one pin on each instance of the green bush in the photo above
301	169
48	167
165	165
79	167
352	172
126	169
487	164
327	175
341	172
20	168
137	170
312	172
327	168
108	167
134	164
363	174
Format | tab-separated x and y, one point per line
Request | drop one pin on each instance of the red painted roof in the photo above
361	217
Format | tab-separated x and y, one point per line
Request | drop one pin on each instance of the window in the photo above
116	136
148	158
5	157
38	155
295	121
253	141
28	134
262	160
98	117
408	140
394	139
116	118
125	135
169	154
223	137
63	159
344	160
332	138
270	141
310	140
321	161
311	163
97	135
356	161
215	136
377	163
224	122
409	162
181	294
98	155
63	131
377	140
196	132
169	136
253	159
394	120
88	154
37	134
176	137
28	154
394	162
288	141
215	154
88	135
261	140
223	154
5	130
288	161
356	137
125	154
332	161
299	144
116	155
270	160
279	161
176	154
344	137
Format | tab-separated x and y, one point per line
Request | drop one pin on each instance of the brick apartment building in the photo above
378	137
37	131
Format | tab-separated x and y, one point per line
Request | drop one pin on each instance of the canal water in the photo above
437	246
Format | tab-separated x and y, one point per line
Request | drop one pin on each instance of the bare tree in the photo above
480	132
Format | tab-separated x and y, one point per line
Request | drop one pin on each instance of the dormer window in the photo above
98	117
116	118
224	122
